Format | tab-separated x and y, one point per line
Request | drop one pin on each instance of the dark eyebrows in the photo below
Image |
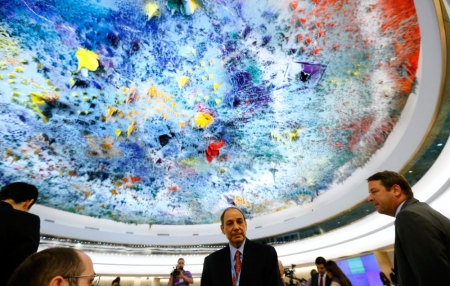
238	220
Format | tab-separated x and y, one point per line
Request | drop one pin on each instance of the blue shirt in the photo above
232	254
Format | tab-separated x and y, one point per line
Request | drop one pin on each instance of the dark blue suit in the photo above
259	267
19	238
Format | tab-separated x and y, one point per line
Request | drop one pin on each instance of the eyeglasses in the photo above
95	280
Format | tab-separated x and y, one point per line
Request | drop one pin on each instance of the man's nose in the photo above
370	198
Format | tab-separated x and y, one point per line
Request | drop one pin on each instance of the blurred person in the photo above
320	278
384	279
56	267
19	230
338	277
116	282
179	276
422	235
242	262
393	277
281	268
311	273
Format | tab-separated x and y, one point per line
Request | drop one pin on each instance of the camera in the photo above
289	272
176	271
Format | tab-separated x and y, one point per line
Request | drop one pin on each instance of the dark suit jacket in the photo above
422	245
315	280
259	267
19	238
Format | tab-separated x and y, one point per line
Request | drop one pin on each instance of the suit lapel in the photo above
224	262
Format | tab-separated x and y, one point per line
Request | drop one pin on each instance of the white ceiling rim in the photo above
398	149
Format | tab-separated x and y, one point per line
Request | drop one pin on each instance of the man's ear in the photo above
222	229
25	206
397	190
28	204
57	281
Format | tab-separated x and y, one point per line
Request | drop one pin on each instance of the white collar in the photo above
234	249
399	208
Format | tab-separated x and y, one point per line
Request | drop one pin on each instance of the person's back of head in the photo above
19	192
42	267
116	282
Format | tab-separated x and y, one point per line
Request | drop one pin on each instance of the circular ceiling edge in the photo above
323	206
397	150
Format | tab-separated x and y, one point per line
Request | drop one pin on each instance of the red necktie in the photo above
237	266
321	280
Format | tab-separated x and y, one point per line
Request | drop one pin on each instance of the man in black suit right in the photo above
321	278
422	235
19	230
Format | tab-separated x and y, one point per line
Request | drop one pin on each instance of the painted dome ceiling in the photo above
167	112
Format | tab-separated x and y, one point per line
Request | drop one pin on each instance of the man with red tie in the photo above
321	278
242	262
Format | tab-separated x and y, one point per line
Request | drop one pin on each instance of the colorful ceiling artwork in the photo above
169	111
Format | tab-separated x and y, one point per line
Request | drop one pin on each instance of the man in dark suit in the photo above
321	278
19	230
242	262
422	235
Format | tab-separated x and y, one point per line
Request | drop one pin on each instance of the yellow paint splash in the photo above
152	9
182	81
131	128
203	120
87	59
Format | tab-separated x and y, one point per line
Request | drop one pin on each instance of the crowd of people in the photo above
422	246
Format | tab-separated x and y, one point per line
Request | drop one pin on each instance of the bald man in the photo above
56	267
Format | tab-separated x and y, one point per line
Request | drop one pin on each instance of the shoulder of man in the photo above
257	245
219	253
29	217
415	206
19	215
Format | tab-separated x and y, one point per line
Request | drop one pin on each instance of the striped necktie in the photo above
237	266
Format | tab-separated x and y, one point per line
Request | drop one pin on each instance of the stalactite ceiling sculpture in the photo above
166	112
